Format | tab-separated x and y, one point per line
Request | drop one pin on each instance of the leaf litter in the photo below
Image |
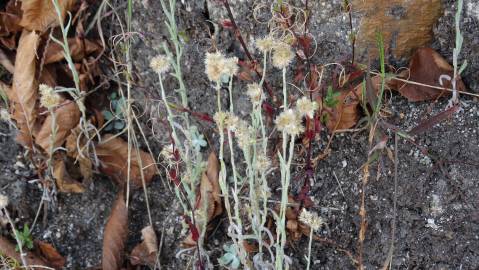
75	157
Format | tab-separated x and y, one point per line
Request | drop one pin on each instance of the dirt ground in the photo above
437	195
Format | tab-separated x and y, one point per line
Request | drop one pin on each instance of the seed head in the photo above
265	44
263	163
48	97
231	66
232	122
282	55
3	201
220	119
244	134
215	66
289	122
160	64
305	106
311	219
4	115
254	92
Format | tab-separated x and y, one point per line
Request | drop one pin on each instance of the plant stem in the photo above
309	248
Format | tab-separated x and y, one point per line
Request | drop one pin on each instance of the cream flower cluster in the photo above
255	93
289	122
48	97
160	64
243	132
217	66
311	219
265	44
306	107
283	55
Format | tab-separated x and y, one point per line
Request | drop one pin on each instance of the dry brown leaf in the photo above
73	145
48	75
23	96
113	155
8	249
146	252
210	187
115	234
39	15
209	202
65	183
51	255
426	67
346	113
67	117
79	49
10	19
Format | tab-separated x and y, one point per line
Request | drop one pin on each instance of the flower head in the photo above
263	163
160	64
305	106
4	115
48	97
220	119
254	92
289	122
3	201
311	219
243	132
265	44
282	55
215	66
231	66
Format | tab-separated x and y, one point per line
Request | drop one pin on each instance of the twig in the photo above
393	226
339	184
337	247
430	86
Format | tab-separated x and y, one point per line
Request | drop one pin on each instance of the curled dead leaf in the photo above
65	183
39	15
74	145
113	155
67	117
209	201
426	67
24	93
346	113
115	234
79	49
146	252
10	24
51	254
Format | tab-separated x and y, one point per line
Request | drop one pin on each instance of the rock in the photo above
405	25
